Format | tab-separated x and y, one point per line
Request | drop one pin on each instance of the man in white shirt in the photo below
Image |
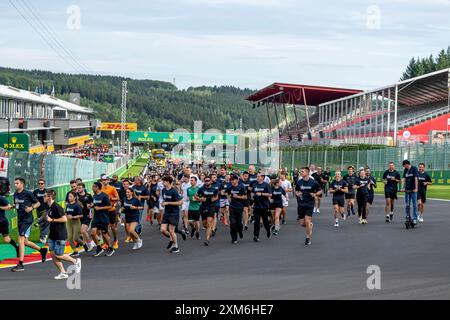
287	186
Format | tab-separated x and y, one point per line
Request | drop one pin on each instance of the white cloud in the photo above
257	3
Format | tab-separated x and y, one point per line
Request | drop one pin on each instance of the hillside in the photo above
155	104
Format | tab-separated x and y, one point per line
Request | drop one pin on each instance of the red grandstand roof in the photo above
293	94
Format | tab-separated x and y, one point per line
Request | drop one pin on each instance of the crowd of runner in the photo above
192	201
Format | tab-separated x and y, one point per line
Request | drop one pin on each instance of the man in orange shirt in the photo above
113	198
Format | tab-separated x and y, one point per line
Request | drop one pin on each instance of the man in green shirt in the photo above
194	209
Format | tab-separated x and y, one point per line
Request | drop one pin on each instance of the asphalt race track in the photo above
414	264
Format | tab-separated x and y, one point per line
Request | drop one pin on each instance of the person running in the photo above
74	214
41	222
151	187
142	194
306	190
252	177
130	207
216	185
276	204
410	185
238	195
169	224
319	177
391	178
111	192
185	185
350	196
246	183
261	207
194	209
159	215
207	195
25	202
424	182
4	224
223	199
86	200
362	194
287	187
119	188
327	178
58	235
371	188
101	205
338	189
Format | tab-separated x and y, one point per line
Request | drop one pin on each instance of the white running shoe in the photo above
421	218
135	246
78	265
336	224
91	246
140	243
61	276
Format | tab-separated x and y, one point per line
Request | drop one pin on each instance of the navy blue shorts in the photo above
99	225
133	218
24	229
170	219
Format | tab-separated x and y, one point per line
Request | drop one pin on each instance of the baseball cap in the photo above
105	177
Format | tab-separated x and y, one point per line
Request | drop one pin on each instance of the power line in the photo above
52	34
42	37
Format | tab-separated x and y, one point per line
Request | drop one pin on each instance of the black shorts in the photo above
349	196
112	217
24	228
217	209
86	221
370	199
170	219
131	219
4	228
274	206
302	212
193	215
422	196
207	212
390	195
247	203
339	202
99	225
251	202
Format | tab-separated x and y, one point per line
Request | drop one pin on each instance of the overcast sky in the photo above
247	43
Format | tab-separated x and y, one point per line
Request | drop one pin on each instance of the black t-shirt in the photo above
338	186
141	191
153	190
171	195
277	196
363	184
306	187
252	178
351	181
217	185
73	209
3	203
246	184
261	202
101	200
39	194
58	230
318	177
223	189
390	177
119	187
372	185
85	200
208	193
128	203
239	190
410	176
423	177
327	176
23	200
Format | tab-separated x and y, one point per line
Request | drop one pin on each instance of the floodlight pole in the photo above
123	117
395	115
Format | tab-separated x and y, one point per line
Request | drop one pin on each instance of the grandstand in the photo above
278	96
406	112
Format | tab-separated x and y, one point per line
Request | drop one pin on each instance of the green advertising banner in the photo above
176	137
108	158
17	141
